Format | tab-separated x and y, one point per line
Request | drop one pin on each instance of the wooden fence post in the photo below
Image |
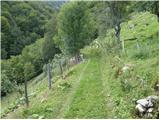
49	76
26	93
60	66
123	46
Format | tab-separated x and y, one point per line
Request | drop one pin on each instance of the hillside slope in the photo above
97	87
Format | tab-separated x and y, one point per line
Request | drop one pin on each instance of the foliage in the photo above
151	6
33	54
22	24
96	88
138	83
91	50
28	71
7	86
49	48
13	68
75	27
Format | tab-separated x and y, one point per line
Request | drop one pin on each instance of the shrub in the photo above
29	71
91	51
7	85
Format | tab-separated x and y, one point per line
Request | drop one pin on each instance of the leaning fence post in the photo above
49	76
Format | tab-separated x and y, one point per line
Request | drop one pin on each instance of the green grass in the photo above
92	89
89	101
53	99
124	95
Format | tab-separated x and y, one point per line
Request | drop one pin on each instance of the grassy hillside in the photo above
97	88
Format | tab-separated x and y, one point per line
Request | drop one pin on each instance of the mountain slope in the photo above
98	87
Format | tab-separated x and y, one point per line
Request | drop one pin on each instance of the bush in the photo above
6	85
91	51
27	65
29	71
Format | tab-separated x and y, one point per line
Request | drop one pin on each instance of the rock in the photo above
150	110
150	104
125	68
140	108
153	98
143	102
149	115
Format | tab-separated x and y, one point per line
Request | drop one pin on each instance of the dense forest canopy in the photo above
23	23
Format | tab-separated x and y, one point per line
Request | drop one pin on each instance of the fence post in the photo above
26	93
49	76
60	66
123	46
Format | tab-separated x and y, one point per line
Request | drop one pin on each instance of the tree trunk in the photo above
77	56
60	66
157	10
26	94
49	76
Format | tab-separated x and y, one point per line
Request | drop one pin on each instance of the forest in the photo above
79	59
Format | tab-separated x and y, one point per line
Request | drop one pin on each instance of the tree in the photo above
118	12
75	28
33	54
110	14
29	71
15	68
22	24
151	6
49	48
5	26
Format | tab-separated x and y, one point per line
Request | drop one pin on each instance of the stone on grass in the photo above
125	68
149	115
152	98
150	104
140	108
150	110
143	102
